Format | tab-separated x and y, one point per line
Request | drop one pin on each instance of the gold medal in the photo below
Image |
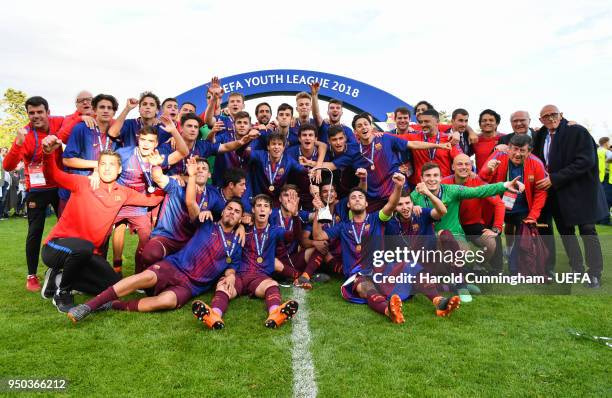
372	167
358	248
228	260
229	242
271	188
259	260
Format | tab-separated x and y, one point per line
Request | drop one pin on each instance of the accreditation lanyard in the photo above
509	198
33	161
432	151
35	171
508	171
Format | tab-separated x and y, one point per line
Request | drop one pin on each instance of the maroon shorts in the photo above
246	284
296	260
136	223
163	246
169	279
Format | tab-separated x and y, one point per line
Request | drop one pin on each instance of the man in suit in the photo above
575	197
520	125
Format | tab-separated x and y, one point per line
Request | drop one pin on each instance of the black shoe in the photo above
320	278
79	312
49	285
63	300
595	282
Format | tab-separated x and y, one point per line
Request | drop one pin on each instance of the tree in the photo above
13	116
444	118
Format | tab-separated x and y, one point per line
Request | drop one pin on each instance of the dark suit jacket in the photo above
505	139
574	173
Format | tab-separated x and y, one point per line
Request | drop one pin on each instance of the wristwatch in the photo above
496	230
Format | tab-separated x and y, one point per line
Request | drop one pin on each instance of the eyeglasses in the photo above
550	116
81	100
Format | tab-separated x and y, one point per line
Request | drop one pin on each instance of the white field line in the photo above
304	383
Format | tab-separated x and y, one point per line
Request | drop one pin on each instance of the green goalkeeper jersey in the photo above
451	196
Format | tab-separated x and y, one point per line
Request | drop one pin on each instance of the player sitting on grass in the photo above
254	276
366	228
173	281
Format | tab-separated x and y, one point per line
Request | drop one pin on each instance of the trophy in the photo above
324	215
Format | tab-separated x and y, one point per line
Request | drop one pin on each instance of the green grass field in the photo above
495	346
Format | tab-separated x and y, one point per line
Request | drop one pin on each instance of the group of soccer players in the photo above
226	203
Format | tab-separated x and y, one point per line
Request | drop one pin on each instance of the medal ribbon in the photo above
263	240
371	158
271	176
146	173
204	198
281	221
225	246
358	239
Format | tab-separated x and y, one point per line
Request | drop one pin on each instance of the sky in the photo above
476	55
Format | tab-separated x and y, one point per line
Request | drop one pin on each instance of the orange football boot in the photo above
280	315
394	309
206	315
445	306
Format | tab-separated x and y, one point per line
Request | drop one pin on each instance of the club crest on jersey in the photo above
378	146
281	171
367	227
531	178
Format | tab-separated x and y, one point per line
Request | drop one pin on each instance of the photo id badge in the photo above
37	178
509	198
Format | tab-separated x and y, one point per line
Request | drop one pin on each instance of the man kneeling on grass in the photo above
173	281
75	244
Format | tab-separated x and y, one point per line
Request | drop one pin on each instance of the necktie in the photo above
550	142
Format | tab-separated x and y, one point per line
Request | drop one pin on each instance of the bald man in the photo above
575	196
520	125
482	219
83	113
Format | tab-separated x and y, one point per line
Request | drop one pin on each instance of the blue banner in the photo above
356	96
